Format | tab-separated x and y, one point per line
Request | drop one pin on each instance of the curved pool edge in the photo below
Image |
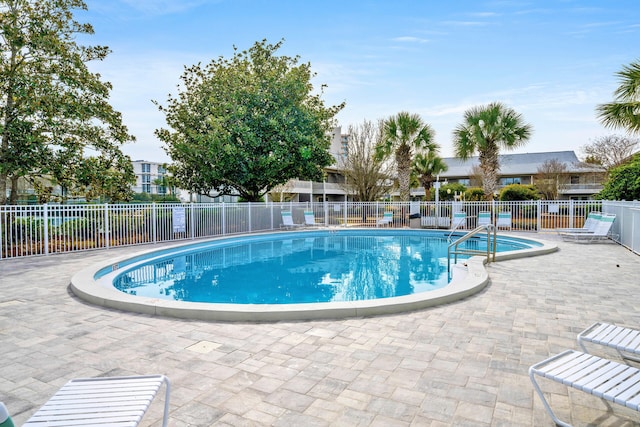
469	277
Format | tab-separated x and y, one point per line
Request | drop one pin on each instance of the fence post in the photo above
325	206
224	224
539	216
192	216
45	215
571	215
249	216
154	220
345	211
107	232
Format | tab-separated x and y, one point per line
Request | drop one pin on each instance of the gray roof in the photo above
519	164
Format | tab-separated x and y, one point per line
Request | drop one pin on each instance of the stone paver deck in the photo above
462	364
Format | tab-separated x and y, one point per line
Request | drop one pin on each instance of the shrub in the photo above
516	192
448	191
474	194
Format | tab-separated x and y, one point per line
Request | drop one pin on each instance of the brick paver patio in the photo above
461	364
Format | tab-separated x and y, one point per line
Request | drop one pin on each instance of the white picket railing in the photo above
48	229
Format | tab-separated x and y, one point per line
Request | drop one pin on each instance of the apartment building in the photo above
150	177
582	180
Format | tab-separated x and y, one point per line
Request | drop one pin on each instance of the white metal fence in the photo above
47	229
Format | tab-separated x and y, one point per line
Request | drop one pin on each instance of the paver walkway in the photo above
461	364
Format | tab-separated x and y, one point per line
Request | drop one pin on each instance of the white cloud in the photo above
409	39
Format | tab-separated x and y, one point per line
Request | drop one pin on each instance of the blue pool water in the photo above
302	267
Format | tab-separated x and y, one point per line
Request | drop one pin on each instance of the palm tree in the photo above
403	135
487	129
624	111
428	165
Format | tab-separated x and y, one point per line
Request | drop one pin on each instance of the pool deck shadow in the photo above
463	363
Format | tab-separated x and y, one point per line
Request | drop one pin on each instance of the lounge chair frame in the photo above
609	380
626	341
601	231
113	401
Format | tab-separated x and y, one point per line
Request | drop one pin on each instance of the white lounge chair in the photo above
387	219
589	224
310	219
459	220
626	341
484	218
114	401
612	381
287	220
504	220
601	230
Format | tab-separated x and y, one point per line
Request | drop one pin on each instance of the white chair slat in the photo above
632	389
113	401
596	378
557	369
608	388
581	376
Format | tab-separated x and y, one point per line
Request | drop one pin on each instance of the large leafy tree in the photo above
52	108
486	130
623	182
404	135
367	176
428	166
624	111
246	124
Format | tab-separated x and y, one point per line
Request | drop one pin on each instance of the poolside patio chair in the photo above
626	341
459	220
287	220
601	231
612	381
504	220
484	218
105	401
387	219
589	224
310	219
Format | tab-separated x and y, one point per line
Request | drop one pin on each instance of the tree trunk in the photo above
403	162
489	166
13	196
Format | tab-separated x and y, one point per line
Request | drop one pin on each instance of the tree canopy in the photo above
403	136
623	182
487	129
366	175
623	112
246	124
52	108
427	166
611	150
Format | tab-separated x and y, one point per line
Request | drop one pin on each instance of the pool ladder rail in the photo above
454	250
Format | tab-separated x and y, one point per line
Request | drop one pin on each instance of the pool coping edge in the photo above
469	277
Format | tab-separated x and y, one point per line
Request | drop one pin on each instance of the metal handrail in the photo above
491	245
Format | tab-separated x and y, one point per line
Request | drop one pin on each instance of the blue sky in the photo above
552	61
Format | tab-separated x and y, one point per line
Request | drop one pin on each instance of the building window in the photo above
146	167
161	170
162	189
146	188
575	179
146	179
510	180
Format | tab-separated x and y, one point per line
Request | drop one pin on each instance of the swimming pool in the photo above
306	274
